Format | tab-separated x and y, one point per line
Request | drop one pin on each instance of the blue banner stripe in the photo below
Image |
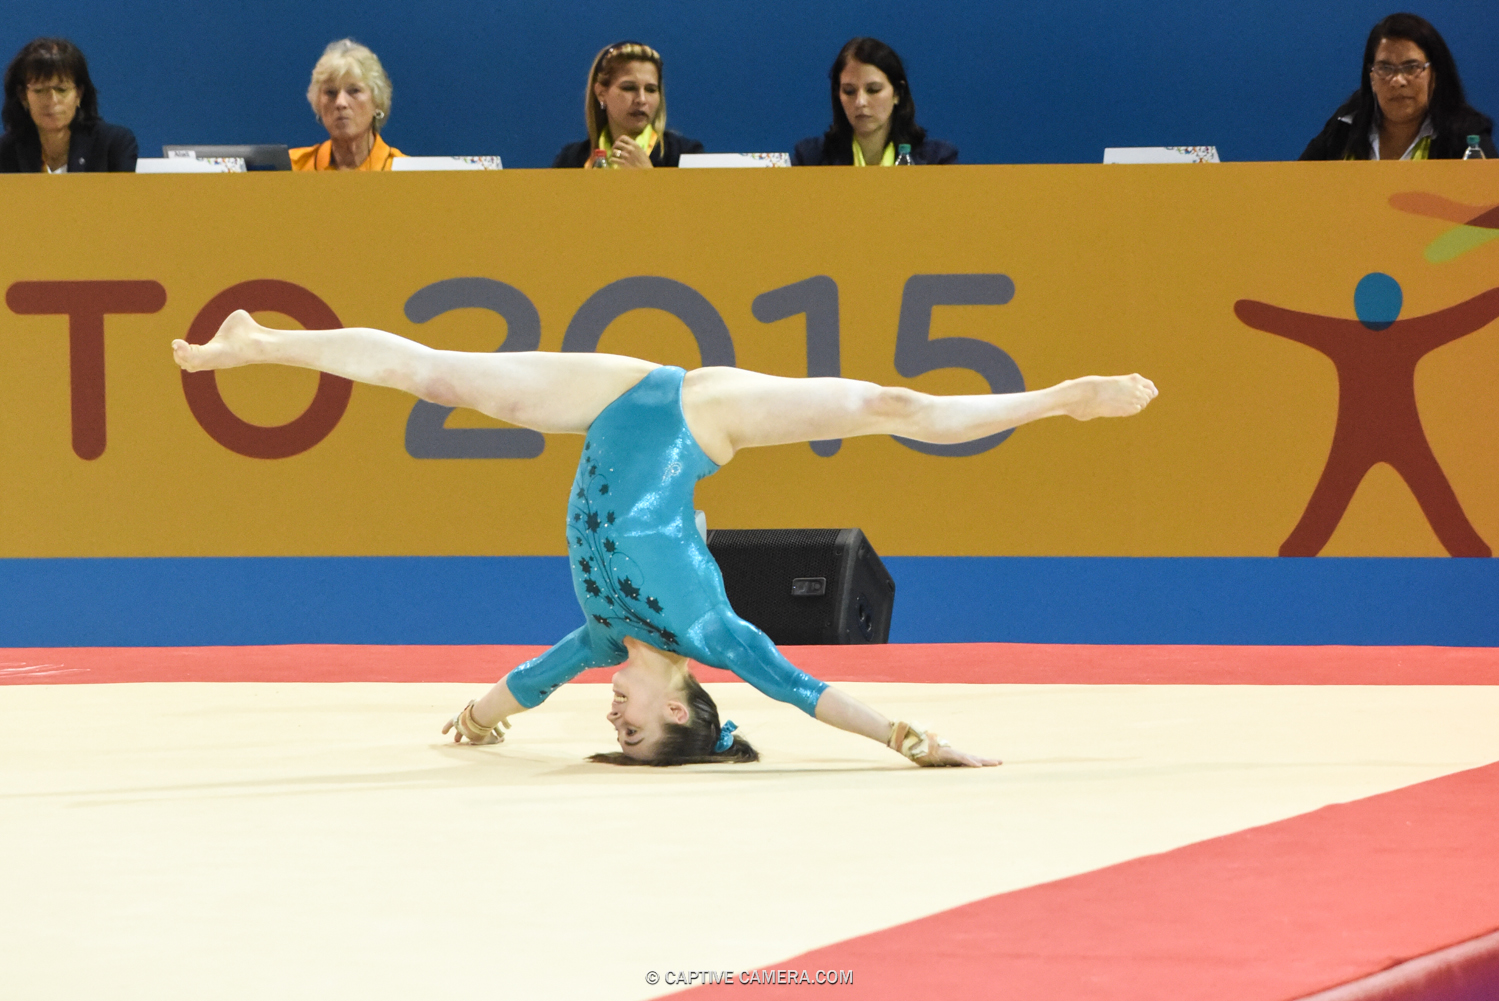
939	599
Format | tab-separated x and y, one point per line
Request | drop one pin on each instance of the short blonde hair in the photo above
347	58
607	63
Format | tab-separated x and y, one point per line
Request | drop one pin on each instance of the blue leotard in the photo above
639	566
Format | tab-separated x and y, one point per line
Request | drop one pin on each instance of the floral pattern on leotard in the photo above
613	583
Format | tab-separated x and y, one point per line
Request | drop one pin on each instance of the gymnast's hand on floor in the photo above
465	727
928	750
947	755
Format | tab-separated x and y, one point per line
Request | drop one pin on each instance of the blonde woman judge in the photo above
624	108
350	94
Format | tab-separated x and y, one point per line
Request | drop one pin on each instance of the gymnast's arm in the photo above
840	709
754	658
528	685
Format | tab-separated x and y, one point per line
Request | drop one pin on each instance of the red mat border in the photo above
1465	972
1328	898
961	663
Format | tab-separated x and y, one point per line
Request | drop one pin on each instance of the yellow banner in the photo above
1321	334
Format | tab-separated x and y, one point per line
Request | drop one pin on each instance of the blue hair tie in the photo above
725	737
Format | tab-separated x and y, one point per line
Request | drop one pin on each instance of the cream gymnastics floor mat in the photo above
223	840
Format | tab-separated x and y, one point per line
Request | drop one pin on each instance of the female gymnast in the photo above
652	597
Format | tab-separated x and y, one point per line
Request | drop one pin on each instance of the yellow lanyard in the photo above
646	140
1420	151
887	160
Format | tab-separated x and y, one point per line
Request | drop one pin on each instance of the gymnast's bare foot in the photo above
233	345
1107	396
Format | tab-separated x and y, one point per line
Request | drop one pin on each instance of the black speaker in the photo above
806	585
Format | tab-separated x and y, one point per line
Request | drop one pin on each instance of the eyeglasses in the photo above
58	91
1389	71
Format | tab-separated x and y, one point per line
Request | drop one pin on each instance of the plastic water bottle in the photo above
598	158
903	155
1473	152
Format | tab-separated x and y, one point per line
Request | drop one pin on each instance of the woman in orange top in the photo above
350	94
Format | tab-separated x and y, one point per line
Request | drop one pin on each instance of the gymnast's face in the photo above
645	699
868	97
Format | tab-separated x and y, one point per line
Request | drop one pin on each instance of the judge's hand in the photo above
626	153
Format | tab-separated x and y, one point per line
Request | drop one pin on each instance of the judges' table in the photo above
1259	297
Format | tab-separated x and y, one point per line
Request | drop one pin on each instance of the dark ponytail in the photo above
690	743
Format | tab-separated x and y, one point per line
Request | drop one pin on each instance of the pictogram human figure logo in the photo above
1376	358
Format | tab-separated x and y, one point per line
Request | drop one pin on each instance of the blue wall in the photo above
1043	83
528	599
1050	82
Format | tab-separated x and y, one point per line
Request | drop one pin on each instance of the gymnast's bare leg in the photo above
729	408
544	390
726	409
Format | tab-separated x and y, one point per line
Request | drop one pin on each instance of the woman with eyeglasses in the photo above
1410	103
874	114
624	109
51	114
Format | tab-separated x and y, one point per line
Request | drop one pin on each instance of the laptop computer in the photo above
259	156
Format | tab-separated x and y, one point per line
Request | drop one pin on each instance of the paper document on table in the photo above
1161	154
736	160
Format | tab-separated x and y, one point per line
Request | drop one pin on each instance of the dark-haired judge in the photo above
51	116
873	114
1410	103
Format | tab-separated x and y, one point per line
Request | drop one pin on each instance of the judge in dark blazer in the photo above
873	114
1410	104
624	108
51	116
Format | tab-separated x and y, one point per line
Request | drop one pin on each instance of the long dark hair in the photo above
43	59
873	52
1449	105
690	743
